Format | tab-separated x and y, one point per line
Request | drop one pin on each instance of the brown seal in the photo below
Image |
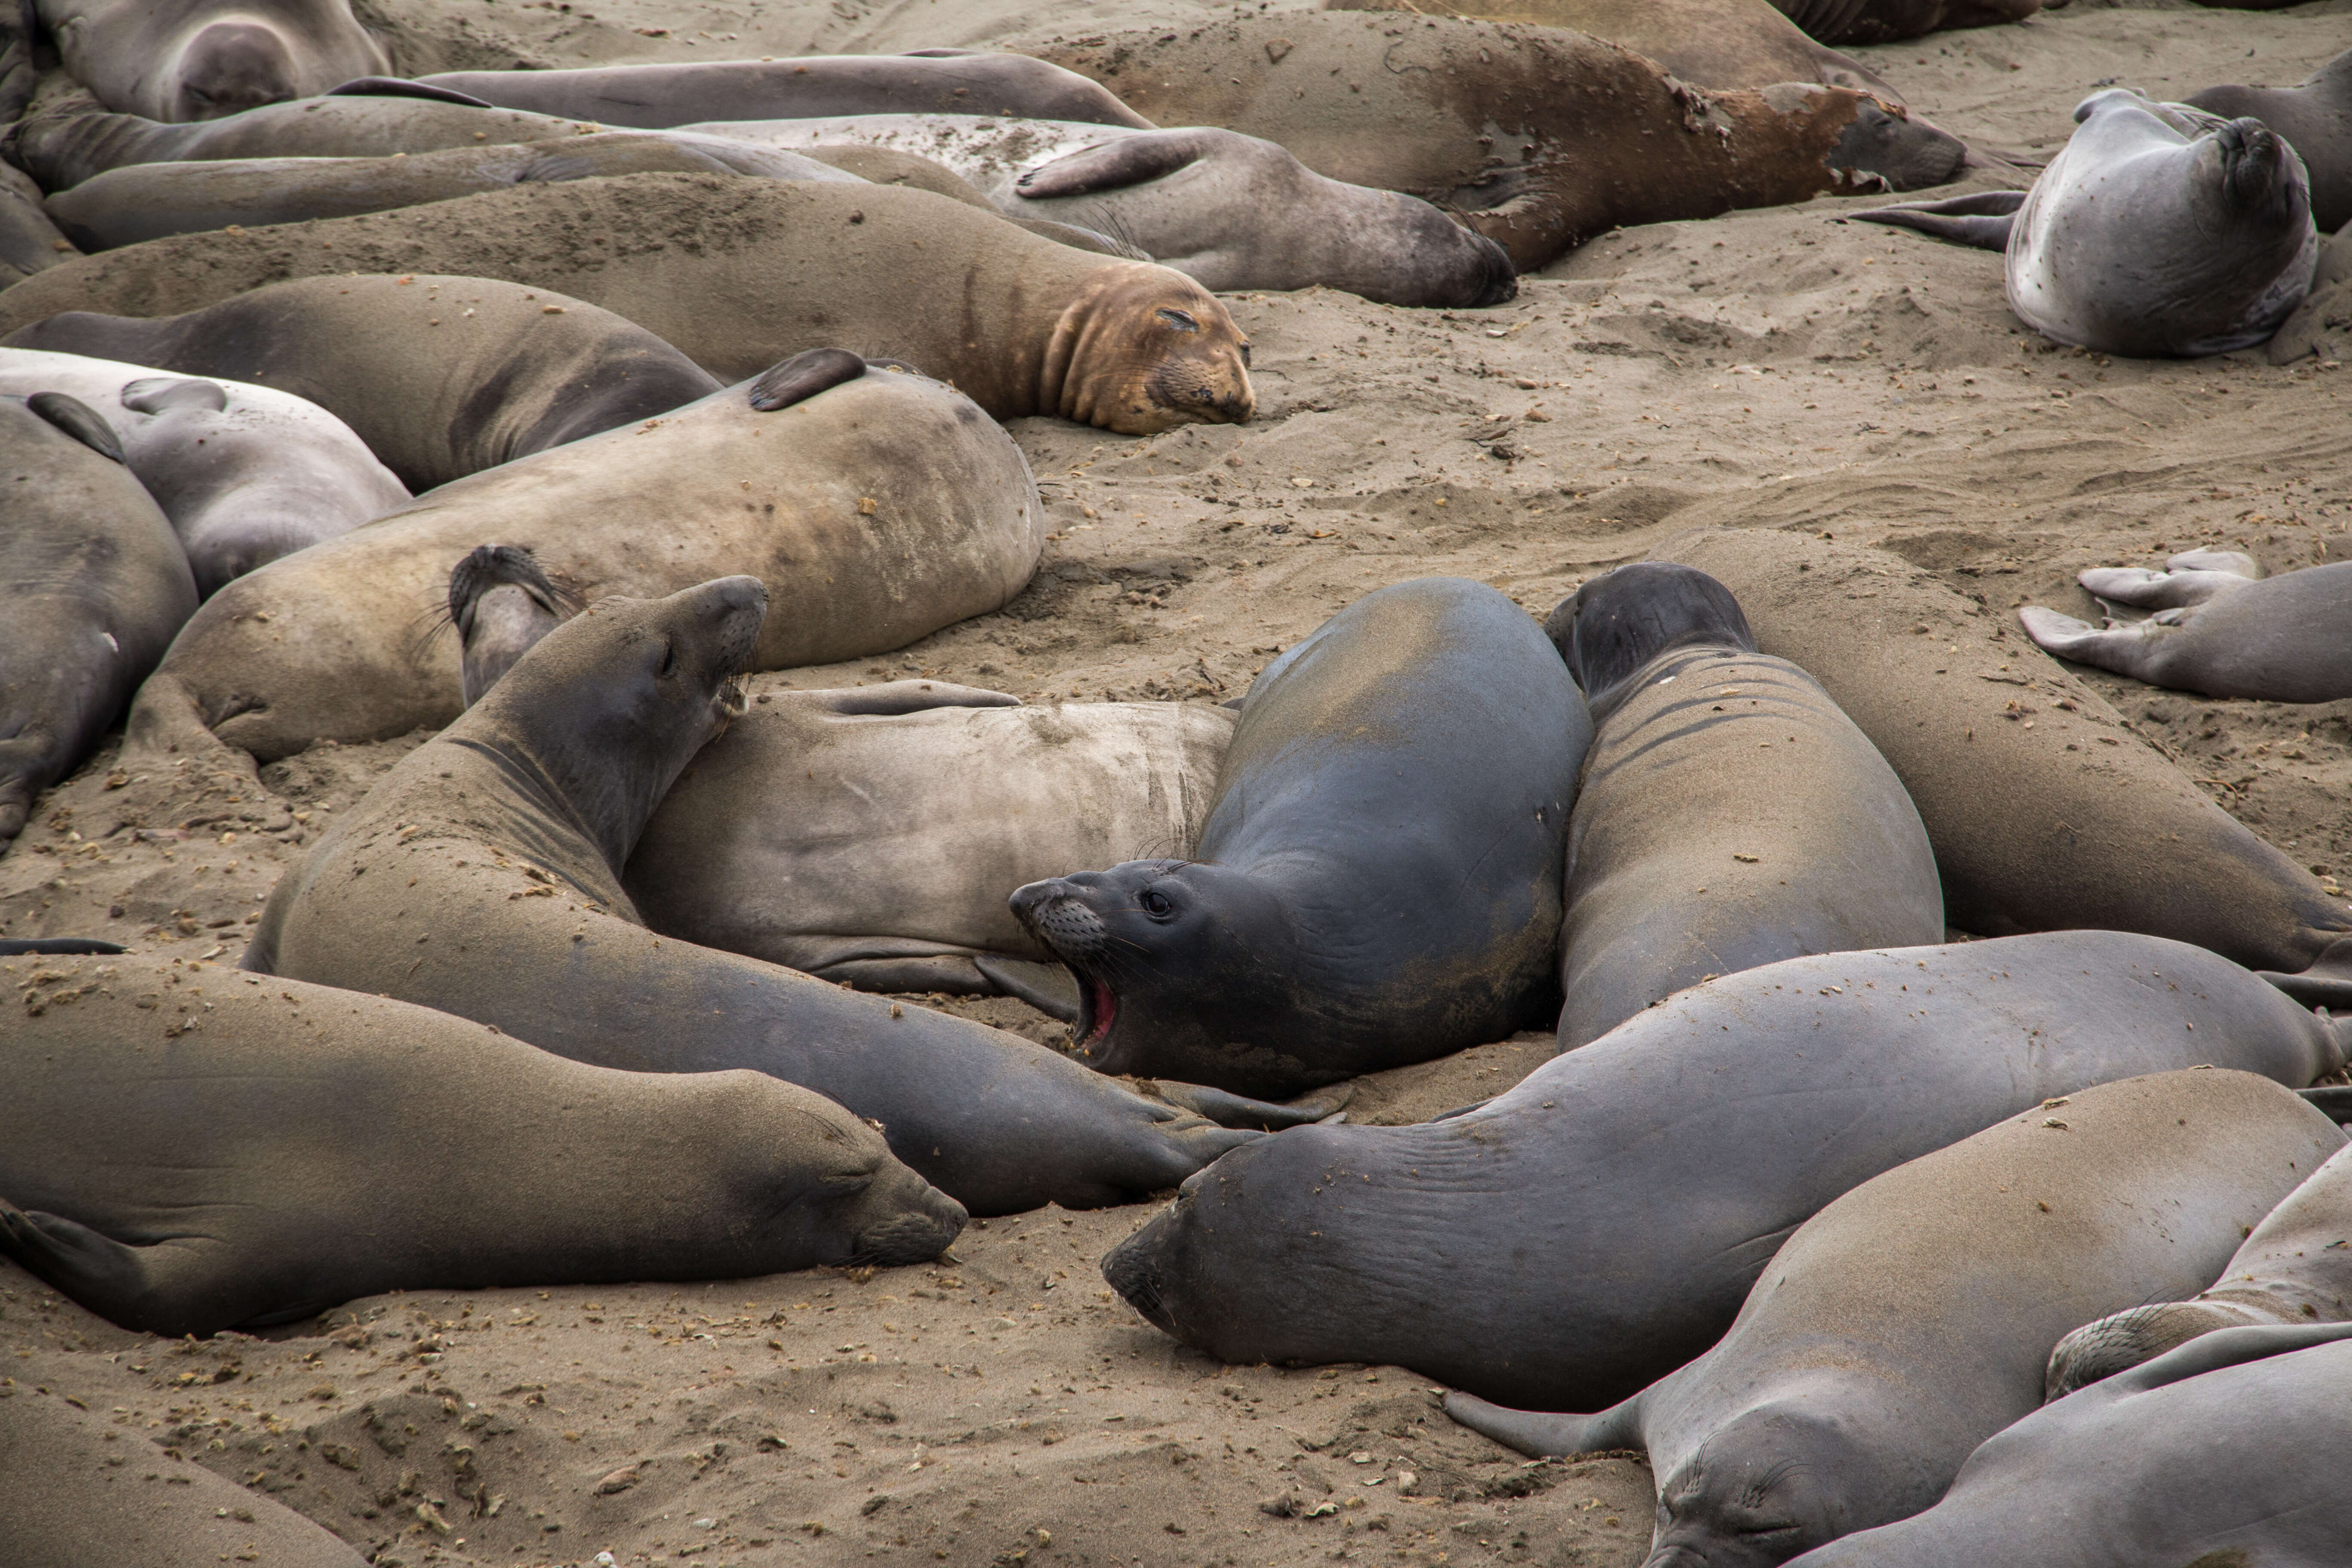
199	59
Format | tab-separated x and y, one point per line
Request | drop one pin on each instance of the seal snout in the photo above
1128	1268
924	1227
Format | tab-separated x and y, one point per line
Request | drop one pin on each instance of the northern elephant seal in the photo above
1537	138
1886	21
190	1149
1727	815
29	242
442	377
2041	805
2296	1267
1234	212
500	844
1359	897
1908	1320
245	473
199	59
738	273
1652	1174
502	602
2222	1454
2280	639
2316	118
93	584
2157	230
880	507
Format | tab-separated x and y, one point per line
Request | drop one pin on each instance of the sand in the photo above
1779	368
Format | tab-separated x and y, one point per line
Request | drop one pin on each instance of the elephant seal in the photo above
1234	212
149	200
245	473
2158	231
2043	806
199	59
1654	1172
813	87
29	242
2221	1454
738	273
502	602
879	507
1538	139
189	1150
72	1501
1727	815
2296	1267
1359	898
2316	118
482	877
1889	21
1908	1322
2283	639
93	584
442	377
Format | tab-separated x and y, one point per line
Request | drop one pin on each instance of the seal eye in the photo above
1156	903
1245	355
1179	319
669	658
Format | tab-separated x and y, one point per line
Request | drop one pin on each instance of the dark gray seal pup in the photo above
2316	118
186	1149
93	586
1729	815
813	87
1653	1174
442	377
199	59
1360	899
2222	1454
482	877
2223	633
1887	21
2294	1268
2159	230
1909	1321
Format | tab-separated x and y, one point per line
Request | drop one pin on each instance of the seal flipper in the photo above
79	420
2328	983
1228	1109
400	86
1115	165
2223	1348
160	394
1982	220
119	1282
2335	1103
20	947
1049	988
1541	1434
895	697
803	376
2066	637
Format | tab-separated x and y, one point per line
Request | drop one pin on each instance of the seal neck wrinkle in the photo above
544	821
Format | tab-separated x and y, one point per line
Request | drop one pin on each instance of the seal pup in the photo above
500	844
809	87
1359	898
199	59
189	1150
1888	21
2316	118
245	473
1538	139
1653	1172
2296	1267
878	507
2222	633
1908	1320
2158	231
1727	815
93	585
442	377
2224	1452
738	273
2075	822
1232	212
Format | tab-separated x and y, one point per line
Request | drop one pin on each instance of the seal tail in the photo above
1543	1434
1982	220
128	1286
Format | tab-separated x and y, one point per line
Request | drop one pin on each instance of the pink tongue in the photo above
1106	1009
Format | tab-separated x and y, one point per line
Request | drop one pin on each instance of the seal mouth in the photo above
1098	1011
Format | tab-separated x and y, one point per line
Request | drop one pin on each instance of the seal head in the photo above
231	67
1761	1490
1617	623
1143	349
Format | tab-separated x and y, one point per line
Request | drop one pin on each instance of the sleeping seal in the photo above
1909	1321
2316	118
1652	1174
1886	21
482	877
2219	632
199	59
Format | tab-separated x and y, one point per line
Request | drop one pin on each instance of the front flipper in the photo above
1228	1110
2335	1101
2223	1348
1983	219
951	973
803	376
1541	1434
1049	988
128	1286
1115	165
2123	649
893	697
400	86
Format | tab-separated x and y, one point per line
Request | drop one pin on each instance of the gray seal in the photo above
2316	118
482	877
199	59
1909	1321
1729	815
2219	629
189	1149
1653	1174
1888	21
29	241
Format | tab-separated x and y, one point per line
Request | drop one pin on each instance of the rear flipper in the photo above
19	946
400	86
2124	1340
2226	1348
1982	220
1543	1434
143	1288
1227	1109
896	697
2335	1101
2190	578
2326	984
2122	648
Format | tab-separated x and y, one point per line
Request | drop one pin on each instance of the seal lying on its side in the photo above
1909	1321
2283	639
2157	230
1362	896
93	585
481	877
1886	21
184	1149
199	59
2226	1453
442	377
1652	1174
739	273
245	473
2316	118
1727	816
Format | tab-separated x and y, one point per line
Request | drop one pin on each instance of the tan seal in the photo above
199	59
